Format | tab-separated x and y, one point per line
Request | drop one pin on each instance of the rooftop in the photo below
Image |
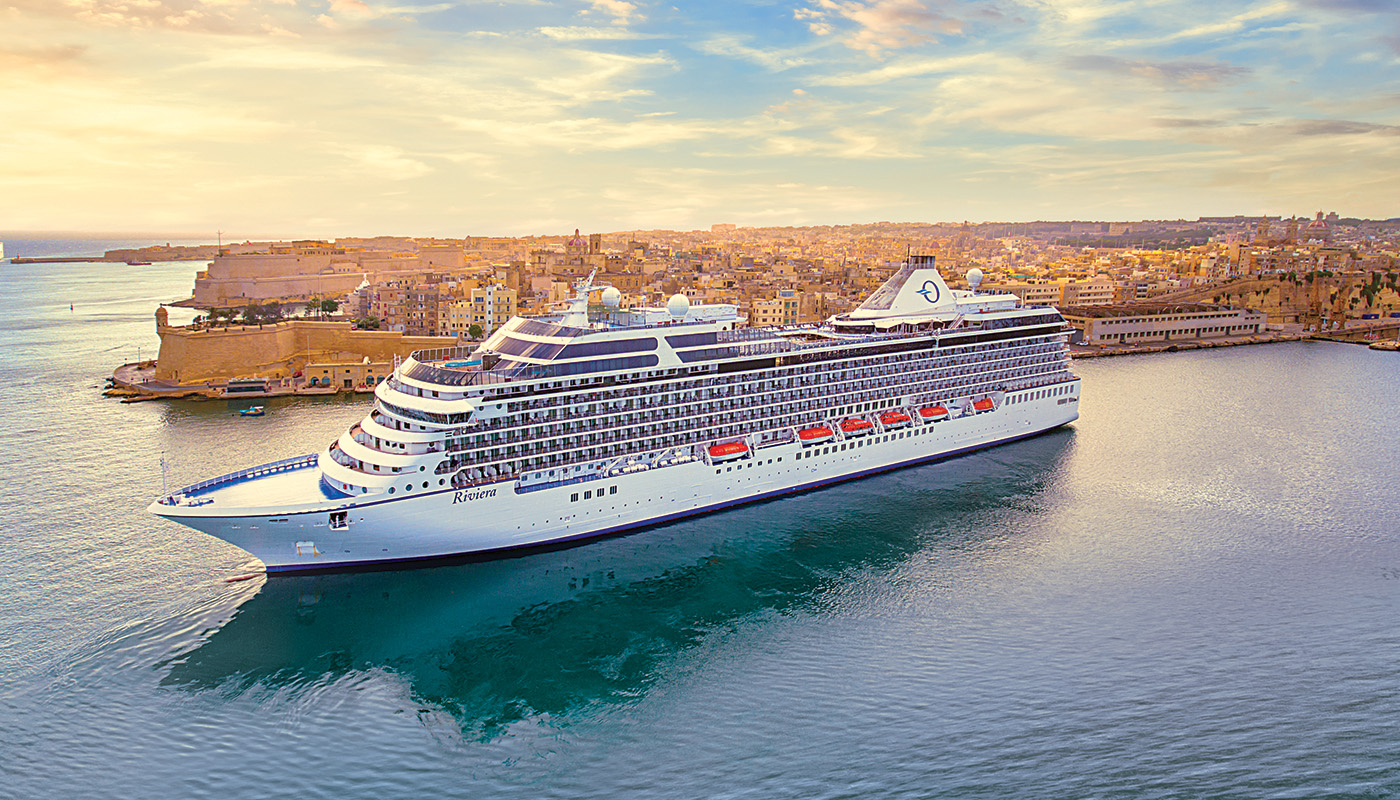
1140	309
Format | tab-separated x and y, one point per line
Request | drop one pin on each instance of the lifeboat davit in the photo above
894	419
934	413
818	435
728	451
985	404
856	427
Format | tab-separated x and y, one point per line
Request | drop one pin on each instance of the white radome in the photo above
678	306
612	298
974	278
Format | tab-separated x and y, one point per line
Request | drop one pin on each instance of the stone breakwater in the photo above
1080	351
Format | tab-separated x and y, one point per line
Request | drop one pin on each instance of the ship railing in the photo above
285	465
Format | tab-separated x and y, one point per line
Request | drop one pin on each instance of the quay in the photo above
137	382
1179	345
55	259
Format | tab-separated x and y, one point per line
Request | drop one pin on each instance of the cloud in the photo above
737	47
44	57
1370	6
351	8
387	162
1338	127
879	25
907	68
1186	122
621	11
1177	74
582	33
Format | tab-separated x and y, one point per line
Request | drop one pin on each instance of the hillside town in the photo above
1118	283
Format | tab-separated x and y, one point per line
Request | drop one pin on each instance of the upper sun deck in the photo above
689	347
680	338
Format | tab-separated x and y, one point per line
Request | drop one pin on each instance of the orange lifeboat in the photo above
894	419
985	404
818	435
856	427
728	451
934	413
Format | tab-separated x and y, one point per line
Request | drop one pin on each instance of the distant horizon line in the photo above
188	236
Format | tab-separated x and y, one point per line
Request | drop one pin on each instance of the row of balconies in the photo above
626	432
535	459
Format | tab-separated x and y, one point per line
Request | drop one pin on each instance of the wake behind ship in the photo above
566	427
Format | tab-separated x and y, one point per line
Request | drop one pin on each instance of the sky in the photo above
361	117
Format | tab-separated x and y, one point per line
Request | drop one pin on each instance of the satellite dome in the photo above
678	305
974	278
612	297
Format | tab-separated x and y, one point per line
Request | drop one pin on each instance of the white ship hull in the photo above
296	535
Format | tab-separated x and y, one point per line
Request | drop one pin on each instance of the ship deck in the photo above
294	483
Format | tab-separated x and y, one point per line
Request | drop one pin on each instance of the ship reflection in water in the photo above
547	634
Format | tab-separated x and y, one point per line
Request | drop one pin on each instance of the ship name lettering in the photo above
462	497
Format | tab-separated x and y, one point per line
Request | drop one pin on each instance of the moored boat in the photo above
817	435
985	404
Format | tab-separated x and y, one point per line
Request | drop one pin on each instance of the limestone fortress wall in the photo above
190	356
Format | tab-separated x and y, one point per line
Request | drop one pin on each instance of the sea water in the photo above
1193	591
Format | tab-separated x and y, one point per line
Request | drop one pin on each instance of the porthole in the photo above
391	490
425	484
408	487
421	468
442	481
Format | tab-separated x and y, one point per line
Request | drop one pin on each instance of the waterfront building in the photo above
346	374
1159	322
1095	292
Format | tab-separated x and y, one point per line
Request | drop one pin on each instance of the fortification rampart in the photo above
197	355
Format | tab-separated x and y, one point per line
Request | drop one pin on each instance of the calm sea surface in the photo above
1192	592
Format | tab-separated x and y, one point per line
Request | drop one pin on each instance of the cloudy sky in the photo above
357	117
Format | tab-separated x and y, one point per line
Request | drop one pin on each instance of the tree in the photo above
252	314
329	306
367	323
475	331
272	311
313	306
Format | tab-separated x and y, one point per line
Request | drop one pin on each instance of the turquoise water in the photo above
1191	592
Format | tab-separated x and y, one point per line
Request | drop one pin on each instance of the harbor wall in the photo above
191	355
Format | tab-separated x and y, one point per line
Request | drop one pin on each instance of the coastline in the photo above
1107	351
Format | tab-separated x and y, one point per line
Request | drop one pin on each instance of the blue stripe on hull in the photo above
575	539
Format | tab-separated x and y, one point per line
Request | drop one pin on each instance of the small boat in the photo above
985	404
818	435
251	411
857	427
728	451
934	413
894	419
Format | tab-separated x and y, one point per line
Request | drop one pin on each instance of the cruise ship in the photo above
586	423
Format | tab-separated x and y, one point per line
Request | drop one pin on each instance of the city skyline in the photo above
271	117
